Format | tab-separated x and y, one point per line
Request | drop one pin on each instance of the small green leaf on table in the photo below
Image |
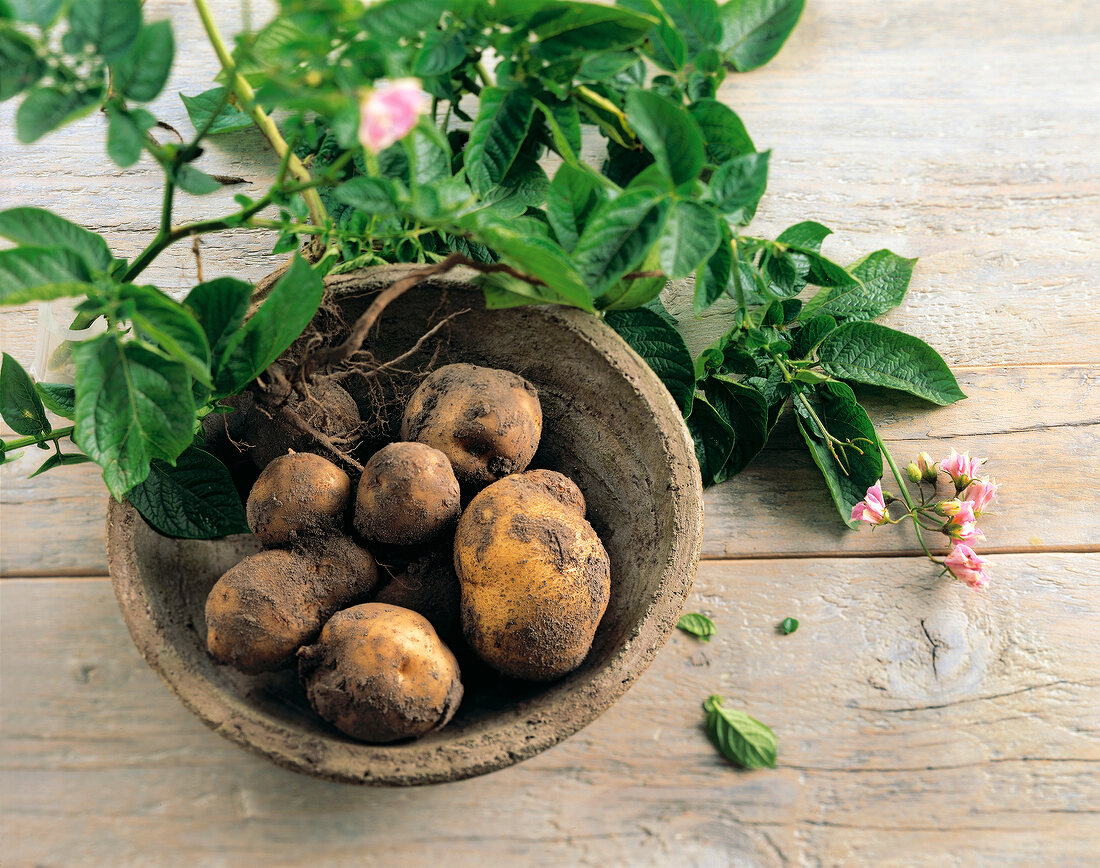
741	739
697	625
20	404
195	499
788	626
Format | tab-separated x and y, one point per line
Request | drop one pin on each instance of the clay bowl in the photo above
609	424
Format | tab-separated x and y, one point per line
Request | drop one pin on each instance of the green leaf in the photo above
46	108
738	183
740	739
213	103
441	52
713	437
195	499
572	197
220	306
811	334
429	154
661	347
617	237
836	407
376	196
41	273
536	256
807	235
171	326
393	20
697	625
697	21
746	412
20	65
125	139
110	25
20	405
713	280
753	31
60	459
41	228
883	281
196	182
870	353
40	12
282	317
671	134
691	235
788	626
563	119
498	132
141	72
724	134
574	30
132	405
59	398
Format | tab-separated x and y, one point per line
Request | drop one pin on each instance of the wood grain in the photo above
777	506
928	713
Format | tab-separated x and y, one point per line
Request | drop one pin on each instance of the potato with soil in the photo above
535	577
486	421
407	494
297	495
272	603
380	673
430	588
329	409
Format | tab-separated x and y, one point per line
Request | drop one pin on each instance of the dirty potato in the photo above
535	577
270	604
407	494
297	495
486	421
380	673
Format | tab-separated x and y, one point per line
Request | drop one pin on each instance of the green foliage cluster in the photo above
668	193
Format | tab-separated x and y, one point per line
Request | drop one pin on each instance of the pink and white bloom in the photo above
966	566
981	492
388	111
949	507
961	468
928	468
963	525
872	509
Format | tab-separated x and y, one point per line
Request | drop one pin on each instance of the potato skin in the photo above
535	577
486	421
430	588
297	495
333	412
380	673
270	604
407	494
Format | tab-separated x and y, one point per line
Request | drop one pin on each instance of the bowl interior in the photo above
608	424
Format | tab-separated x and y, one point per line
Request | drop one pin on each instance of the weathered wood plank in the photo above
930	716
1035	423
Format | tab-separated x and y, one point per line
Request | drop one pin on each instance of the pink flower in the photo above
387	112
928	468
966	566
961	468
872	509
949	507
963	525
981	492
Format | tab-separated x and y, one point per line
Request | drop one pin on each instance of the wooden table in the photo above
919	723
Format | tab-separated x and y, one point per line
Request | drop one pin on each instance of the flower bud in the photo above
949	507
913	472
961	468
929	469
966	566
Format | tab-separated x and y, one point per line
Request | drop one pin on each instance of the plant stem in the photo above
166	206
246	97
34	439
905	495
